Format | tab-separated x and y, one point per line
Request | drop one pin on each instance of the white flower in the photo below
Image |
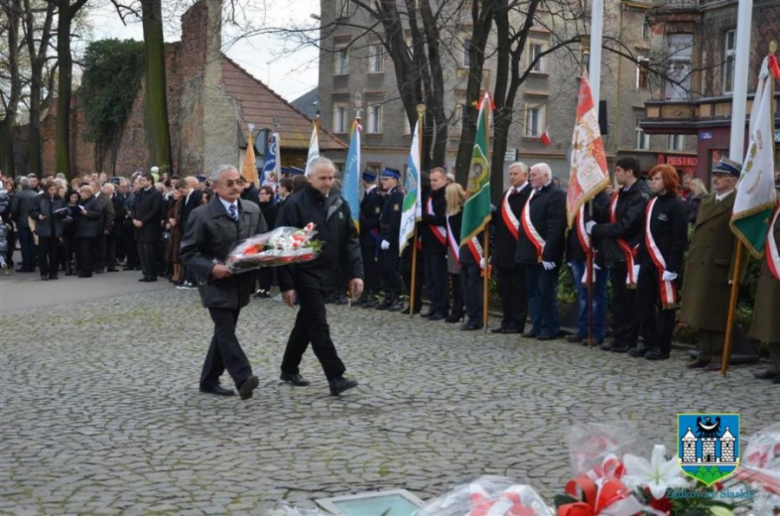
658	475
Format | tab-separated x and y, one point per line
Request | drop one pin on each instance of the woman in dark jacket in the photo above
73	200
48	213
6	218
172	259
87	227
269	209
455	198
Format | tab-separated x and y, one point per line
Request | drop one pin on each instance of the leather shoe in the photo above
620	348
341	384
574	338
112	270
529	335
765	375
470	327
294	379
249	385
397	306
712	366
405	311
545	337
437	317
638	351
698	364
494	330
454	318
657	354
429	313
218	390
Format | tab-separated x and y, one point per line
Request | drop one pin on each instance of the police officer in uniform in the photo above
390	229
370	212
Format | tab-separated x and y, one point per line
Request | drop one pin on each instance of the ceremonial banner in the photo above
756	196
588	175
350	183
272	165
476	211
248	169
314	146
412	207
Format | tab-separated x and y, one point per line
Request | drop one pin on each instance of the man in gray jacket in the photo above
212	231
20	208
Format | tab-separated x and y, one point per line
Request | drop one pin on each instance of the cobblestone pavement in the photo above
101	412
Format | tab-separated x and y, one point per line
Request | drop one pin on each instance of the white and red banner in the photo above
589	173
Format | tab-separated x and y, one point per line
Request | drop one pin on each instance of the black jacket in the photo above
251	194
574	250
189	204
390	221
370	212
120	210
270	211
669	227
506	245
548	216
629	225
437	201
208	238
333	223
88	224
148	209
54	223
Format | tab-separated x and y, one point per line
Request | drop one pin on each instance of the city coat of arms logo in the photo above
708	445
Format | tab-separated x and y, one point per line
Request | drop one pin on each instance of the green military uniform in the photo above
706	289
766	318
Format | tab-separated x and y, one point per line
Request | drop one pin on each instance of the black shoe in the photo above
765	375
397	306
371	303
429	313
620	348
142	280
384	305
574	338
530	335
471	327
698	364
657	354
454	318
294	379
545	337
438	316
53	277
341	300
112	270
44	278
638	351
249	385
405	311
341	384
218	390
85	275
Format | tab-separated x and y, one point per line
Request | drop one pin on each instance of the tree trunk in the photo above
158	132
435	97
7	164
64	90
37	63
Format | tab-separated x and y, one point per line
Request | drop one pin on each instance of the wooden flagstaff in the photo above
724	364
486	272
590	276
420	120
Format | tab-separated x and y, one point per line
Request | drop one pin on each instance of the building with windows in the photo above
355	68
701	35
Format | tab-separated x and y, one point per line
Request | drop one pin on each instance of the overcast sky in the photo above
264	57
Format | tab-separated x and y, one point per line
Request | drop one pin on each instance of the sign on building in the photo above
511	155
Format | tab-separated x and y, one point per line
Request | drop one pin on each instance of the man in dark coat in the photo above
540	250
389	234
148	231
115	235
433	230
87	221
709	267
20	208
618	240
191	199
370	212
330	214
212	231
511	276
107	217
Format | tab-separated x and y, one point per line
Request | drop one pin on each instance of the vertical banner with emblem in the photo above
350	184
271	165
476	211
412	207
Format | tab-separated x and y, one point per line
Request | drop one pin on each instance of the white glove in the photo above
669	276
548	266
385	245
636	271
596	267
589	226
482	263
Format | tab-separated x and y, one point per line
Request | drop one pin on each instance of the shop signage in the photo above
676	160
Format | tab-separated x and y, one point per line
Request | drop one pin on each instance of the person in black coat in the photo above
87	220
213	231
332	220
433	231
251	193
511	275
48	213
390	234
618	233
660	262
540	248
370	212
114	235
147	215
270	211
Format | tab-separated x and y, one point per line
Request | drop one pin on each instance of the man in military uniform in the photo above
390	229
766	323
709	268
370	211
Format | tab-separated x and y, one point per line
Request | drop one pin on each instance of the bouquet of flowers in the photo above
283	246
487	496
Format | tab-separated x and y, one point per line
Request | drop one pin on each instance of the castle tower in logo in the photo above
708	445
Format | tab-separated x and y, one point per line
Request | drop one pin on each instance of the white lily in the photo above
658	474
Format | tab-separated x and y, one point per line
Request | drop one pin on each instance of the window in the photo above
341	62
646	29
643	73
534	49
375	119
678	51
464	60
729	47
534	121
340	118
343	8
642	139
376	55
675	142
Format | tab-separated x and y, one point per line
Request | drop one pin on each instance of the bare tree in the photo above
12	14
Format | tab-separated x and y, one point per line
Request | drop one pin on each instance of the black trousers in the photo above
457	295
265	278
48	255
100	258
655	323
514	299
147	254
86	255
436	281
131	248
111	245
625	325
473	287
224	352
311	326
392	278
372	268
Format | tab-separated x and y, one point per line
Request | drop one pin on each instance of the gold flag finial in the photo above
420	109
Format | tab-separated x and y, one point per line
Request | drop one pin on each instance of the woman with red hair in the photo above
660	261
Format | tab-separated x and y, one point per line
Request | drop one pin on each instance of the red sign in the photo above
677	160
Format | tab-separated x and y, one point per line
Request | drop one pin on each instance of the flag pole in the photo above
724	365
486	272
590	280
413	281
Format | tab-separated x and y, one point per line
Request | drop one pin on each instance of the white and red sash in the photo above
668	289
474	246
438	231
529	229
476	250
584	238
508	215
452	243
772	254
628	251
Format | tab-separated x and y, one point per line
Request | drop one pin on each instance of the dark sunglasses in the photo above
230	183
